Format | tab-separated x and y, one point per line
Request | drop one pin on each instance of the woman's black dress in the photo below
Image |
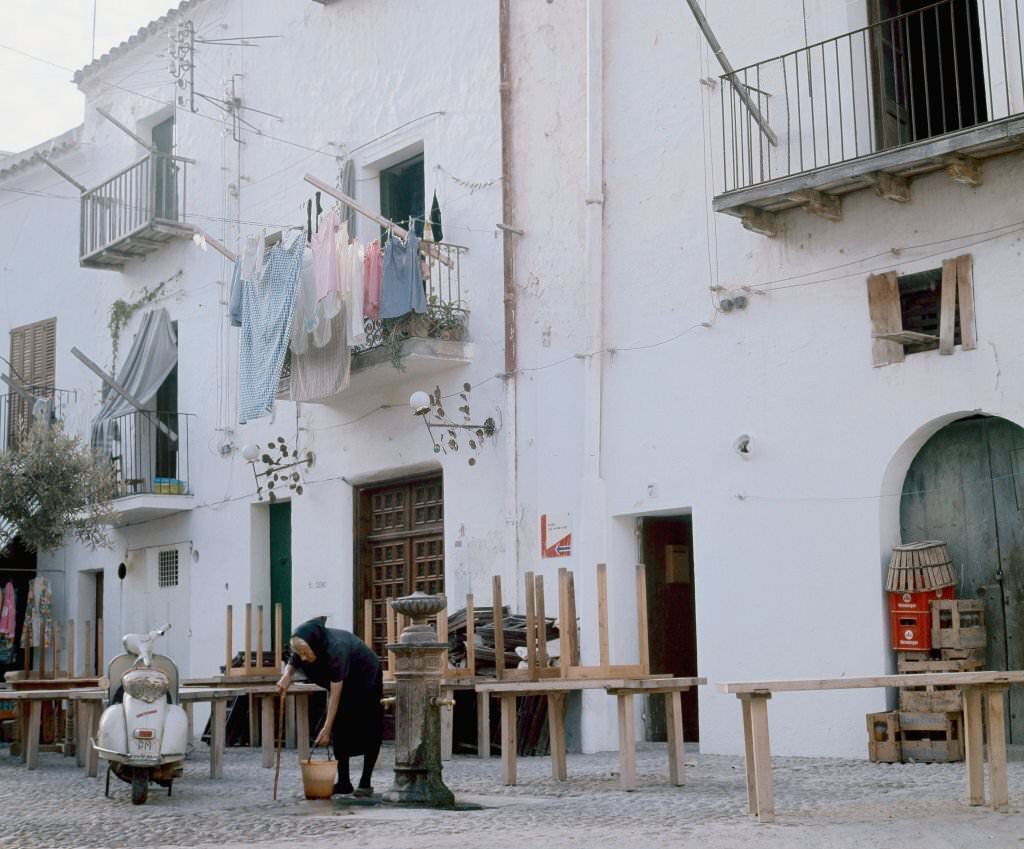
342	656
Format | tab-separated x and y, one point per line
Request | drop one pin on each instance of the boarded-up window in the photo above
400	531
922	311
33	364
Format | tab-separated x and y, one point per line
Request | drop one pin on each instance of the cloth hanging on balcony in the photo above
38	627
325	265
253	255
353	259
153	356
8	613
435	220
308	322
322	371
235	295
267	308
402	284
372	271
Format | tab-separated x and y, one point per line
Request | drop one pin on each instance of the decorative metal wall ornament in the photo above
430	407
281	473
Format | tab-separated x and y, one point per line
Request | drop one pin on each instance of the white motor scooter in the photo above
144	733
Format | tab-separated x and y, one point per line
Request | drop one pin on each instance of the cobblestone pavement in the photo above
820	803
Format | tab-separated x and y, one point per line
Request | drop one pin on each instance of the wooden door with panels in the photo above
399	547
33	356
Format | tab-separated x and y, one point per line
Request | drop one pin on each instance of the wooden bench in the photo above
984	695
87	700
624	689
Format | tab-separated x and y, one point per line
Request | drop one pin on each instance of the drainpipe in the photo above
593	501
511	417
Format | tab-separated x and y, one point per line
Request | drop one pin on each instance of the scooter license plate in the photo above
143	747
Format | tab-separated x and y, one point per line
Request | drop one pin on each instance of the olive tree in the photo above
52	486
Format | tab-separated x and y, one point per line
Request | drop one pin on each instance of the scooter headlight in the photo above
148	685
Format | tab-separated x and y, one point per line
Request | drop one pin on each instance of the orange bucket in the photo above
318	777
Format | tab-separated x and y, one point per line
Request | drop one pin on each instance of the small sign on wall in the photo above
555	535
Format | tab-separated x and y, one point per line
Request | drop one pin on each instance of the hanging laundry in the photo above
253	254
235	296
372	271
267	308
320	372
9	613
38	627
325	266
402	283
304	313
356	327
435	219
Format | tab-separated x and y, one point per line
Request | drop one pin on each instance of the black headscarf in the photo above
314	634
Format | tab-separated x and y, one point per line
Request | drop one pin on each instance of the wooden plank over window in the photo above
884	309
947	308
965	299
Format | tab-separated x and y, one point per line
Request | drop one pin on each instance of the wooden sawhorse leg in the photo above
302	725
627	742
995	719
267	730
974	745
31	743
508	738
483	725
556	725
674	718
218	731
760	796
92	757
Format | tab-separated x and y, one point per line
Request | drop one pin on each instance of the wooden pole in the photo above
641	619
259	639
71	649
278	635
227	641
442	636
389	618
541	620
279	741
99	647
368	621
499	633
89	661
246	661
531	629
574	631
602	614
470	636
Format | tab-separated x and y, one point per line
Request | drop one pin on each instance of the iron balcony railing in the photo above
938	70
149	192
149	453
17	412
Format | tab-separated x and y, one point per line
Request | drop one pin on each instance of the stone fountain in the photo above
419	659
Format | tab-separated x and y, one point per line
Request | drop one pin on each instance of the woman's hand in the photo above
324	737
285	681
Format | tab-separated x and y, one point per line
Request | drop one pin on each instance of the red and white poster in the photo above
555	535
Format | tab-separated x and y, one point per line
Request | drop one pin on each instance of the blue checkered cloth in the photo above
267	306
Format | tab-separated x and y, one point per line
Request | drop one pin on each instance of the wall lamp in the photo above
444	432
276	474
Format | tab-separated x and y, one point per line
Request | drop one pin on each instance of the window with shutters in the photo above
400	545
923	311
33	355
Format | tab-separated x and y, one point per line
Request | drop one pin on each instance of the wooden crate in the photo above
971	655
931	699
918	662
931	737
958	623
884	737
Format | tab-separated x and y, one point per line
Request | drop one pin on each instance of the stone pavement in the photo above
820	803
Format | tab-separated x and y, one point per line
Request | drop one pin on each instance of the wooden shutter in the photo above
884	309
33	353
947	308
965	298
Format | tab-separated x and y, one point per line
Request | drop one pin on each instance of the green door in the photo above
281	562
966	487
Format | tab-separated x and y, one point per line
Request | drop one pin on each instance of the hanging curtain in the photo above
152	357
347	181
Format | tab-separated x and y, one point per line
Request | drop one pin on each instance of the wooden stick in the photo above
368	621
248	638
602	613
259	638
89	664
499	635
280	738
227	641
565	659
389	618
531	628
542	625
574	631
641	618
99	647
278	635
442	636
56	649
470	636
71	648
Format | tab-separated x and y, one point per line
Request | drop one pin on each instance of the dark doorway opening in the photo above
281	563
17	568
929	70
666	544
403	194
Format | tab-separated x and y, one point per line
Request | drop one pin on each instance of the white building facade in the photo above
708	393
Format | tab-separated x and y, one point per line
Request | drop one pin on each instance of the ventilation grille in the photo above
167	568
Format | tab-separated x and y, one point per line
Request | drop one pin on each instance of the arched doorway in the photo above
966	487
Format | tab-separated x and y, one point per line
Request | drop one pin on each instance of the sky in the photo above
37	100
